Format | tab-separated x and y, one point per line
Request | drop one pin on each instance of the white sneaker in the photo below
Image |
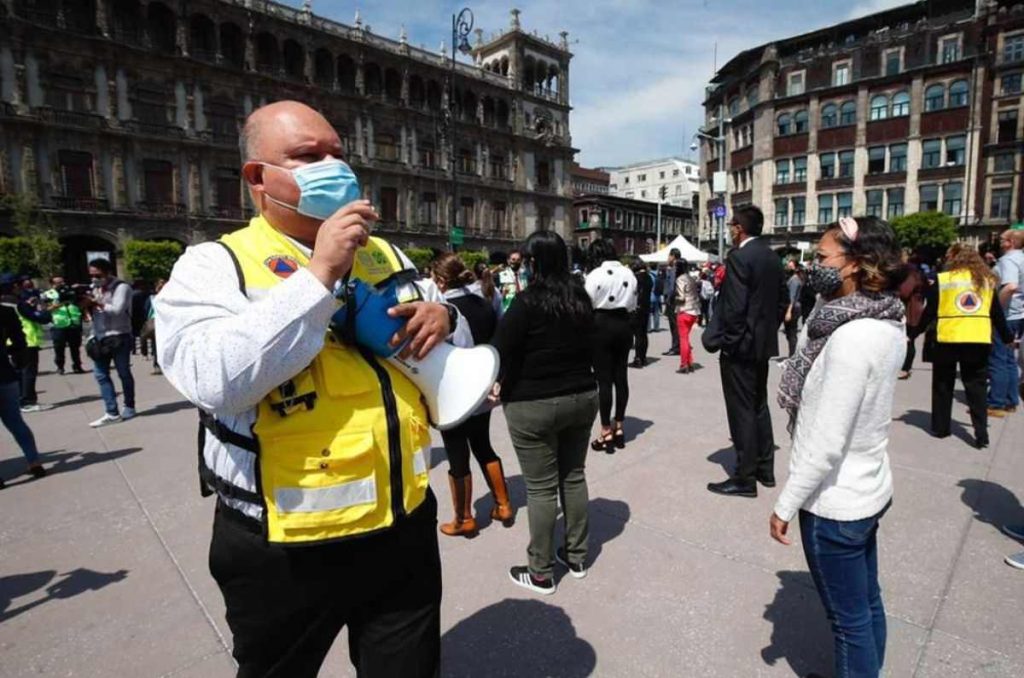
105	419
36	407
127	413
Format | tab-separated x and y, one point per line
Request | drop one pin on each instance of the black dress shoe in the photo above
670	353
733	487
766	479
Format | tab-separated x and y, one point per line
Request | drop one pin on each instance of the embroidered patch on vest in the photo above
281	265
968	302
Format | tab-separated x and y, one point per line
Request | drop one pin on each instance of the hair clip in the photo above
849	227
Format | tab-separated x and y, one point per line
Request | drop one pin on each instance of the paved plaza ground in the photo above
103	564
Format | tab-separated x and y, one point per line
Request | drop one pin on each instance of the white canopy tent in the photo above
686	250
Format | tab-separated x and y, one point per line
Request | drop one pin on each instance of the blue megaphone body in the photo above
363	319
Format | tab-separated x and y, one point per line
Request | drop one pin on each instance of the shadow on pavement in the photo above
923	420
79	400
516	638
633	427
73	583
60	462
726	458
991	502
800	631
167	408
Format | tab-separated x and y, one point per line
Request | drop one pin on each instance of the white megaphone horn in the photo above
454	381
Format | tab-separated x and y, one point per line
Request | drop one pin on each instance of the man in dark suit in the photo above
744	327
669	296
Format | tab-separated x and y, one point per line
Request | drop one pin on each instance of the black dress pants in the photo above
792	329
640	341
613	337
973	362
285	606
745	384
70	338
673	326
28	374
473	434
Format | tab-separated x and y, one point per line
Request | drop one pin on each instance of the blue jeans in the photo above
10	414
655	323
843	559
122	363
1004	380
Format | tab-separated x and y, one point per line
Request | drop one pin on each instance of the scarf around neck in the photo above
830	316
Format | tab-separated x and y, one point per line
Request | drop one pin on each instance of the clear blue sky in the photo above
637	78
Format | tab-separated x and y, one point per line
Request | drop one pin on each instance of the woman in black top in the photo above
453	279
641	316
548	389
10	411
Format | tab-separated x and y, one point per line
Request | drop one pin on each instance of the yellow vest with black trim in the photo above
341	446
964	310
33	332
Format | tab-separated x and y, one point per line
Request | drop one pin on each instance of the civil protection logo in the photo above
282	266
968	302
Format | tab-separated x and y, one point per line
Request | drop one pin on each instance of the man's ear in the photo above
252	172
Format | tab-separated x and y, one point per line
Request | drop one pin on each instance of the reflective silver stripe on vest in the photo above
303	500
419	461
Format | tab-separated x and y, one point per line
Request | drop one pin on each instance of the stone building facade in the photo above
631	224
912	109
121	118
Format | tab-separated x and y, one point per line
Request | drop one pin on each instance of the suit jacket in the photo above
669	290
751	304
644	286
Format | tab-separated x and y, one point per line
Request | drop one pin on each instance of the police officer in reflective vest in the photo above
316	449
961	317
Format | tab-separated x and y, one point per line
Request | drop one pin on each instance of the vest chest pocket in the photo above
312	481
343	372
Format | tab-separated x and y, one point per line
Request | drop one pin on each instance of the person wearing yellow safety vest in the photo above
962	312
315	447
66	328
33	317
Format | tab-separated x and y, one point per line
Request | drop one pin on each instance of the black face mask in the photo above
515	266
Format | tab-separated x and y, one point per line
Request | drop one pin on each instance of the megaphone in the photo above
454	381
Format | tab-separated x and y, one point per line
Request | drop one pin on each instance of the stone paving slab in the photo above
683	583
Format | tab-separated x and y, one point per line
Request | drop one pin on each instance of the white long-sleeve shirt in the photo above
224	352
839	464
612	286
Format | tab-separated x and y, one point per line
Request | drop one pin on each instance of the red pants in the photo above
685	322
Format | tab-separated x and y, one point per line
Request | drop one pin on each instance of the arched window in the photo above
785	124
734	107
800	122
900	104
879	107
958	93
323	68
848	113
935	98
294	59
829	116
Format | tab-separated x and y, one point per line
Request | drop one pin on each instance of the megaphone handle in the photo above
349	331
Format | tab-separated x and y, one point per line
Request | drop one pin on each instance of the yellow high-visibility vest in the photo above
341	447
964	310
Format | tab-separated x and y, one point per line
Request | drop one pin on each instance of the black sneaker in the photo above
578	571
521	576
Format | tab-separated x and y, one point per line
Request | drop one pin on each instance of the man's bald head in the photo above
271	126
1012	239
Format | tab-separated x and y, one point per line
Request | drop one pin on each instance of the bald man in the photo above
313	445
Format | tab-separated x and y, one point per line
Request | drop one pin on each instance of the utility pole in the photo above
662	192
721	191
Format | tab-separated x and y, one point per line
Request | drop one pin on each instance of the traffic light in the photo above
663	192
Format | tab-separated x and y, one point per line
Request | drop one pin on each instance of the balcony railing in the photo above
71	118
154	128
228	212
128	35
80	204
162	208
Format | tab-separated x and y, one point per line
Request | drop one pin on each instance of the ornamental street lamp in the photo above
462	25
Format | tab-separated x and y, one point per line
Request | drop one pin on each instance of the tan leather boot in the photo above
502	510
463	524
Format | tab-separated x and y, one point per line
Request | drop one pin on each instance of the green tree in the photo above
472	257
44	253
420	256
149	259
931	231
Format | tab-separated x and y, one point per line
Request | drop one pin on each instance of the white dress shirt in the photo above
612	286
225	352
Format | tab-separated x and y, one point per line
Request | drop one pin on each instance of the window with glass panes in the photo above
1013	48
841	74
879	107
848	113
931	153
1007	130
893	62
999	204
784	124
828	165
800	122
829	115
900	104
929	197
1010	83
876	160
895	197
958	94
955	149
845	164
952	198
800	169
782	171
898	158
825	203
935	98
949	50
781	212
1004	162
874	203
844	205
796	84
798	211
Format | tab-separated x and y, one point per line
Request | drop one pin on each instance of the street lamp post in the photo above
719	141
462	25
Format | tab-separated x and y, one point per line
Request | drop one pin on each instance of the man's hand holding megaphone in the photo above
337	240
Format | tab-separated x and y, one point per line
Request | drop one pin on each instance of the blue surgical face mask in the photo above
325	187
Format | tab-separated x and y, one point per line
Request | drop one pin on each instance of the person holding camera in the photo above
111	341
66	324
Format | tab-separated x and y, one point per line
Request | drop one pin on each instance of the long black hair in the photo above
552	289
600	251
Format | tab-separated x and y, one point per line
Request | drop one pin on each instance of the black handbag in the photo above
102	349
